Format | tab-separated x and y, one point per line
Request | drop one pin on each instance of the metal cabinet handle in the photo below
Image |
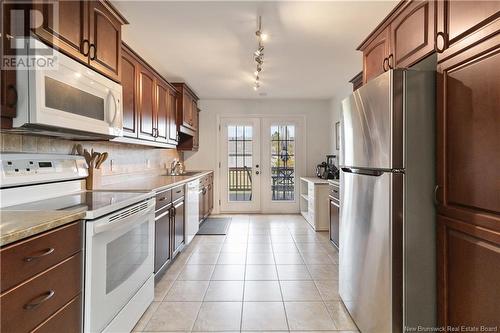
386	62
444	38
39	300
93	54
12	89
390	61
436	189
85	45
45	253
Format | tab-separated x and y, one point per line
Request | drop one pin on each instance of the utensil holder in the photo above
94	179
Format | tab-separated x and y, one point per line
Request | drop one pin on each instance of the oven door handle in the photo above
104	226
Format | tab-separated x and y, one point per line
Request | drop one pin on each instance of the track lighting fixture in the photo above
259	53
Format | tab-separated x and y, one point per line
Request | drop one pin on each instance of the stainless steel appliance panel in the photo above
372	122
365	253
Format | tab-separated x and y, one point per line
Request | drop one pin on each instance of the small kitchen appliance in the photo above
328	170
119	229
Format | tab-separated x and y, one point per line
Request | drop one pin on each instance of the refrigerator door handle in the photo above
366	172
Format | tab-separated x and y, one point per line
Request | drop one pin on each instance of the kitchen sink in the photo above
185	174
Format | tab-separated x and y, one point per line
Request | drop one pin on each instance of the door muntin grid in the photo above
240	161
283	162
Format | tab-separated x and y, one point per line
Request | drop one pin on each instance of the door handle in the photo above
93	55
86	43
33	304
12	89
386	62
45	253
390	61
257	172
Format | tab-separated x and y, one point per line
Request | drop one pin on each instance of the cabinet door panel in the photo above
468	274
464	17
374	55
412	33
162	240
105	35
68	30
179	225
146	104
334	223
130	68
172	116
469	130
162	112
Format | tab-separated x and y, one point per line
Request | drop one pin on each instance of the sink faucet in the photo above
173	167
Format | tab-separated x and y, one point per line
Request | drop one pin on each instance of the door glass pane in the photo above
239	162
125	255
283	162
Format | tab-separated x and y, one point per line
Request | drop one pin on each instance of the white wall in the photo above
335	105
318	128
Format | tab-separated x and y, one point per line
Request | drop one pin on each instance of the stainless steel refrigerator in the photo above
387	262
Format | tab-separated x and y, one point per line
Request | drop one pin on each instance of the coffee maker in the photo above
328	170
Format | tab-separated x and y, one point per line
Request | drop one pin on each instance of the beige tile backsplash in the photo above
124	159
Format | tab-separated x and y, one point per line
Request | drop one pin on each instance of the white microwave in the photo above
68	100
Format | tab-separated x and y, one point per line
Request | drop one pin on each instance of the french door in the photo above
261	159
240	165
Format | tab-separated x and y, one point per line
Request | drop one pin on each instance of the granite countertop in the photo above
16	224
153	183
315	180
19	224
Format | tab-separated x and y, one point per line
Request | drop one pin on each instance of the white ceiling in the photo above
310	52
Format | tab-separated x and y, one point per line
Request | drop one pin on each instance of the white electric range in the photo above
119	233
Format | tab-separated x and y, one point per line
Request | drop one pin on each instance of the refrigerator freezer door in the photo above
372	124
367	243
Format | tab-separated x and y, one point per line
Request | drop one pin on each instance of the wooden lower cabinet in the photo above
469	272
43	276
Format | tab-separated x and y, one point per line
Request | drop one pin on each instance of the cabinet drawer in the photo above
163	199
68	319
177	192
27	258
29	304
334	191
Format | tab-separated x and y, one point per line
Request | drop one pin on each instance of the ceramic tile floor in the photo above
269	273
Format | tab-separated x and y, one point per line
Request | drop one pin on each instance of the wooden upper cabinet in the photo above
8	87
130	70
162	125
105	40
468	132
412	33
147	102
187	105
459	19
69	31
172	116
375	54
88	31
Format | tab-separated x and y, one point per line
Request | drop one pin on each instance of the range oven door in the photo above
71	98
119	260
